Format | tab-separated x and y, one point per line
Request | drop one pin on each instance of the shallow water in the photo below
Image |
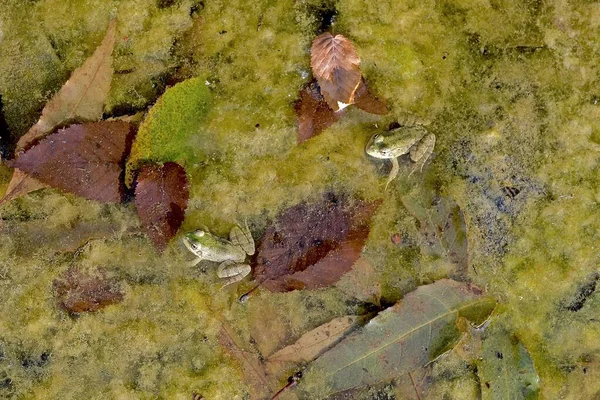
510	89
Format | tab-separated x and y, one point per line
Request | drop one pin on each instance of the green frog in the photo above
414	140
231	253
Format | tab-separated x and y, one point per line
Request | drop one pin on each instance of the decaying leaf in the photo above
78	291
400	339
311	245
82	96
366	101
86	160
505	369
313	113
314	343
161	196
259	382
335	65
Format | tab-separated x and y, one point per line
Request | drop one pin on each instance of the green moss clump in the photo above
171	131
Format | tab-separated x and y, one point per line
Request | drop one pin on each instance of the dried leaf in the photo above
78	291
366	101
86	160
312	245
314	343
335	65
82	96
313	113
258	380
505	369
161	197
19	185
400	339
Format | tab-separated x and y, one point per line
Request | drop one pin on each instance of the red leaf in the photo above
161	197
312	245
79	291
313	113
335	64
86	160
366	101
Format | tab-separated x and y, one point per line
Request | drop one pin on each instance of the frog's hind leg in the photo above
232	272
393	172
243	238
421	152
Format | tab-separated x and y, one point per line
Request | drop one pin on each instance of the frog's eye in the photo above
199	233
377	138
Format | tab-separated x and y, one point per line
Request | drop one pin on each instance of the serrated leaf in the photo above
506	370
335	65
400	339
86	160
82	96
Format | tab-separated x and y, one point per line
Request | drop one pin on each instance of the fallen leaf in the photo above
366	101
335	65
400	339
312	245
86	160
315	342
257	379
445	234
78	291
161	196
505	369
362	282
313	113
19	185
82	96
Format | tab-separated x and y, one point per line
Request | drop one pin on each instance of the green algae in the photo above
509	88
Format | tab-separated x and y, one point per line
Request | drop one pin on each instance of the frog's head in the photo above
378	147
198	241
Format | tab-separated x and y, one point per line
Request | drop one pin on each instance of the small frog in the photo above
231	253
414	140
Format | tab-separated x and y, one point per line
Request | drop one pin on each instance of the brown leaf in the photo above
78	291
86	160
312	245
82	96
19	185
335	65
315	342
366	101
259	382
313	113
161	197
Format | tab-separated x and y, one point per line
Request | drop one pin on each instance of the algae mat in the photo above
507	204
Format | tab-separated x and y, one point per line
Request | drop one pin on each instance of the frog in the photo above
230	254
413	140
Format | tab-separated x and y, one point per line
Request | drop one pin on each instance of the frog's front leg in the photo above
421	152
393	172
243	238
232	272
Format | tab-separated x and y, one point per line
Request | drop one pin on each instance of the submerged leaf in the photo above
505	369
82	96
400	339
366	101
78	291
335	65
86	160
161	197
315	342
313	113
312	245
